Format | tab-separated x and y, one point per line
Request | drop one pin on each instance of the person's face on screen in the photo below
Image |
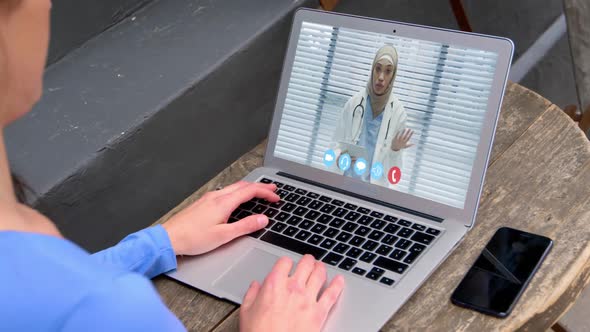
382	76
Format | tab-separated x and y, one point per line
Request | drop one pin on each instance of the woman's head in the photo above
384	70
24	39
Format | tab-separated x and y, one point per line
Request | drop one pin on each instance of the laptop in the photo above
385	224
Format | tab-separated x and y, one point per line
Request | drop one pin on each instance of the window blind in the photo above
444	90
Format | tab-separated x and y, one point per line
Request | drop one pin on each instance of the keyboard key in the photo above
232	220
376	214
294	220
350	227
312	215
411	257
398	254
259	209
363	210
324	218
315	205
332	258
303	201
300	211
325	199
375	273
265	180
257	233
384	250
391	228
289	207
417	248
337	202
404	223
357	241
350	206
376	235
365	220
403	244
359	271
419	227
370	245
290	231
352	216
288	187
372	276
282	216
391	265
354	252
247	205
243	214
278	184
293	245
343	236
339	212
378	224
386	281
279	227
312	195
433	231
282	193
337	223
301	191
328	208
277	204
302	235
328	244
318	228
347	264
390	218
306	224
315	239
368	257
331	232
405	232
341	248
292	197
389	239
362	231
271	212
422	238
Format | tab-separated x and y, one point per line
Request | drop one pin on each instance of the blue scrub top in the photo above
50	284
368	139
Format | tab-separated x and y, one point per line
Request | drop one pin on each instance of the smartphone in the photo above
501	273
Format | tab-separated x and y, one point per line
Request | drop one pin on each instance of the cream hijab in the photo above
388	53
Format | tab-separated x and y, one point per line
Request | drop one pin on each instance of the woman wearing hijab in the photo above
47	283
375	120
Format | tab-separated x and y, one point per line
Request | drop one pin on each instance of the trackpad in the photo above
254	265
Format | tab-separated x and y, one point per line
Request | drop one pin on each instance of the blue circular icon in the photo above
360	166
344	162
377	170
329	158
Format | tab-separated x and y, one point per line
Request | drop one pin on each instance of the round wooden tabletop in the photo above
538	180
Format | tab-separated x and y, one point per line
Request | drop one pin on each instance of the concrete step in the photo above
146	112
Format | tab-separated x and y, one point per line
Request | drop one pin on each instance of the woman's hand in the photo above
202	226
292	303
400	141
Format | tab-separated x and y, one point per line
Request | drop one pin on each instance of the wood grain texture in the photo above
577	13
538	181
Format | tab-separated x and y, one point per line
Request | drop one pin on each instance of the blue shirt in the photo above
50	284
368	138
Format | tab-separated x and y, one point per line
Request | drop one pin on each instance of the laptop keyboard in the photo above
367	243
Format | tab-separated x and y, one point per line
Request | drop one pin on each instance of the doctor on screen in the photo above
371	134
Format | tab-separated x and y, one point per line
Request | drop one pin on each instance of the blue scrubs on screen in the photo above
50	284
368	139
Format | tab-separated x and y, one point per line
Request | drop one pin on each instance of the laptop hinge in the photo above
364	198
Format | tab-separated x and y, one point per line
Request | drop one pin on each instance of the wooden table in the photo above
538	180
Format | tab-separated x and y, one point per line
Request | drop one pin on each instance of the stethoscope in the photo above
361	108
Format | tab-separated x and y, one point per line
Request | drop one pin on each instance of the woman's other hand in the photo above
202	226
400	141
290	303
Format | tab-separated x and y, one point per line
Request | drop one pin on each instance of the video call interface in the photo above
396	112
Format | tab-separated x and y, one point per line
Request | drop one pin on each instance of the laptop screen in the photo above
392	111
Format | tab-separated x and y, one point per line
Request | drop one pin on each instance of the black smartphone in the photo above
501	273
